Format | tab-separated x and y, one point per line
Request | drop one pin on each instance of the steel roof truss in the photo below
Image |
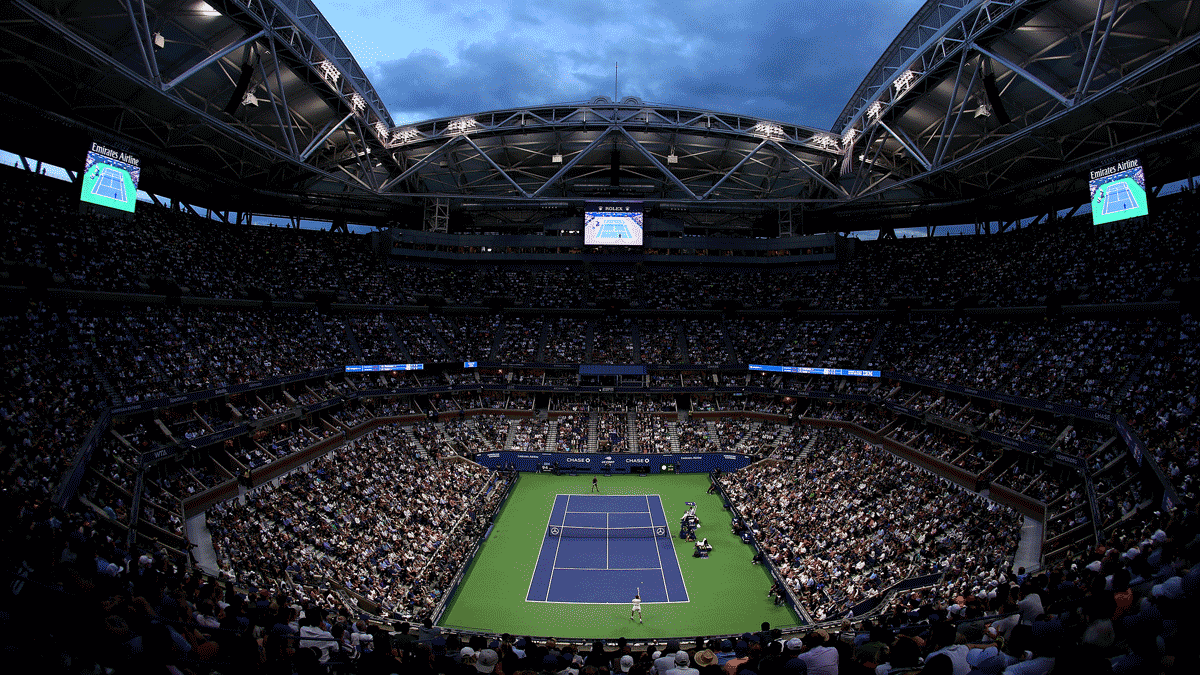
495	166
1032	79
944	137
657	164
284	118
1094	48
813	173
420	164
569	164
1115	86
211	59
136	9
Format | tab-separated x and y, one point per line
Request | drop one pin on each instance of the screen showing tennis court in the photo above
612	225
1118	192
110	178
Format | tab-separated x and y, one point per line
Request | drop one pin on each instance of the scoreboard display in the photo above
612	225
1118	192
110	178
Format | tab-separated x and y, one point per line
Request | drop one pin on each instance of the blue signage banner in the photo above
385	367
804	370
703	462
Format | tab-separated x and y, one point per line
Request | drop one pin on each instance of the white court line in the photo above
610	568
624	602
658	552
554	563
539	558
606	540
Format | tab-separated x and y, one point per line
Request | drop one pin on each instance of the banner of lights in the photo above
802	370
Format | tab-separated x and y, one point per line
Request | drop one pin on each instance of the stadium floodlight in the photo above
159	40
825	142
329	71
904	81
672	158
404	135
357	103
250	99
556	159
983	111
849	137
767	129
381	131
875	110
461	125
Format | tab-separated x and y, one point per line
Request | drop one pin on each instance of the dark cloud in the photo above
796	62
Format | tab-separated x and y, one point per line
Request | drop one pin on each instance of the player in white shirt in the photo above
637	608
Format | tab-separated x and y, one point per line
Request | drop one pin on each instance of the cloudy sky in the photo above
795	61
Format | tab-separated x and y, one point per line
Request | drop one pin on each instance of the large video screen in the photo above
1118	192
110	178
612	225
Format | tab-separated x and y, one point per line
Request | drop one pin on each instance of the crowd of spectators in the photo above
371	517
65	361
852	520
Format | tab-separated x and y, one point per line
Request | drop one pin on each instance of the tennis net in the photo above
646	532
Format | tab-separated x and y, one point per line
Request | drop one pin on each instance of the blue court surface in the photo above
109	183
614	229
1117	198
602	549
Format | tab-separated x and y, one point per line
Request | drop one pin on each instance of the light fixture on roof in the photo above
328	71
357	104
250	99
672	158
404	135
159	40
768	129
983	111
461	125
556	158
381	131
825	142
904	81
875	110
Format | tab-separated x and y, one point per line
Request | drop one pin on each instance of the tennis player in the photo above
637	608
595	486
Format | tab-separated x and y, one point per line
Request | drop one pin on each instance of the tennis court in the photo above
725	593
604	548
1117	198
109	183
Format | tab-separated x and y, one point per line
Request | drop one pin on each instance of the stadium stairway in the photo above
714	436
731	355
631	431
543	340
752	433
829	342
400	346
589	340
422	453
593	433
869	354
101	376
552	436
352	342
437	337
681	342
497	340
